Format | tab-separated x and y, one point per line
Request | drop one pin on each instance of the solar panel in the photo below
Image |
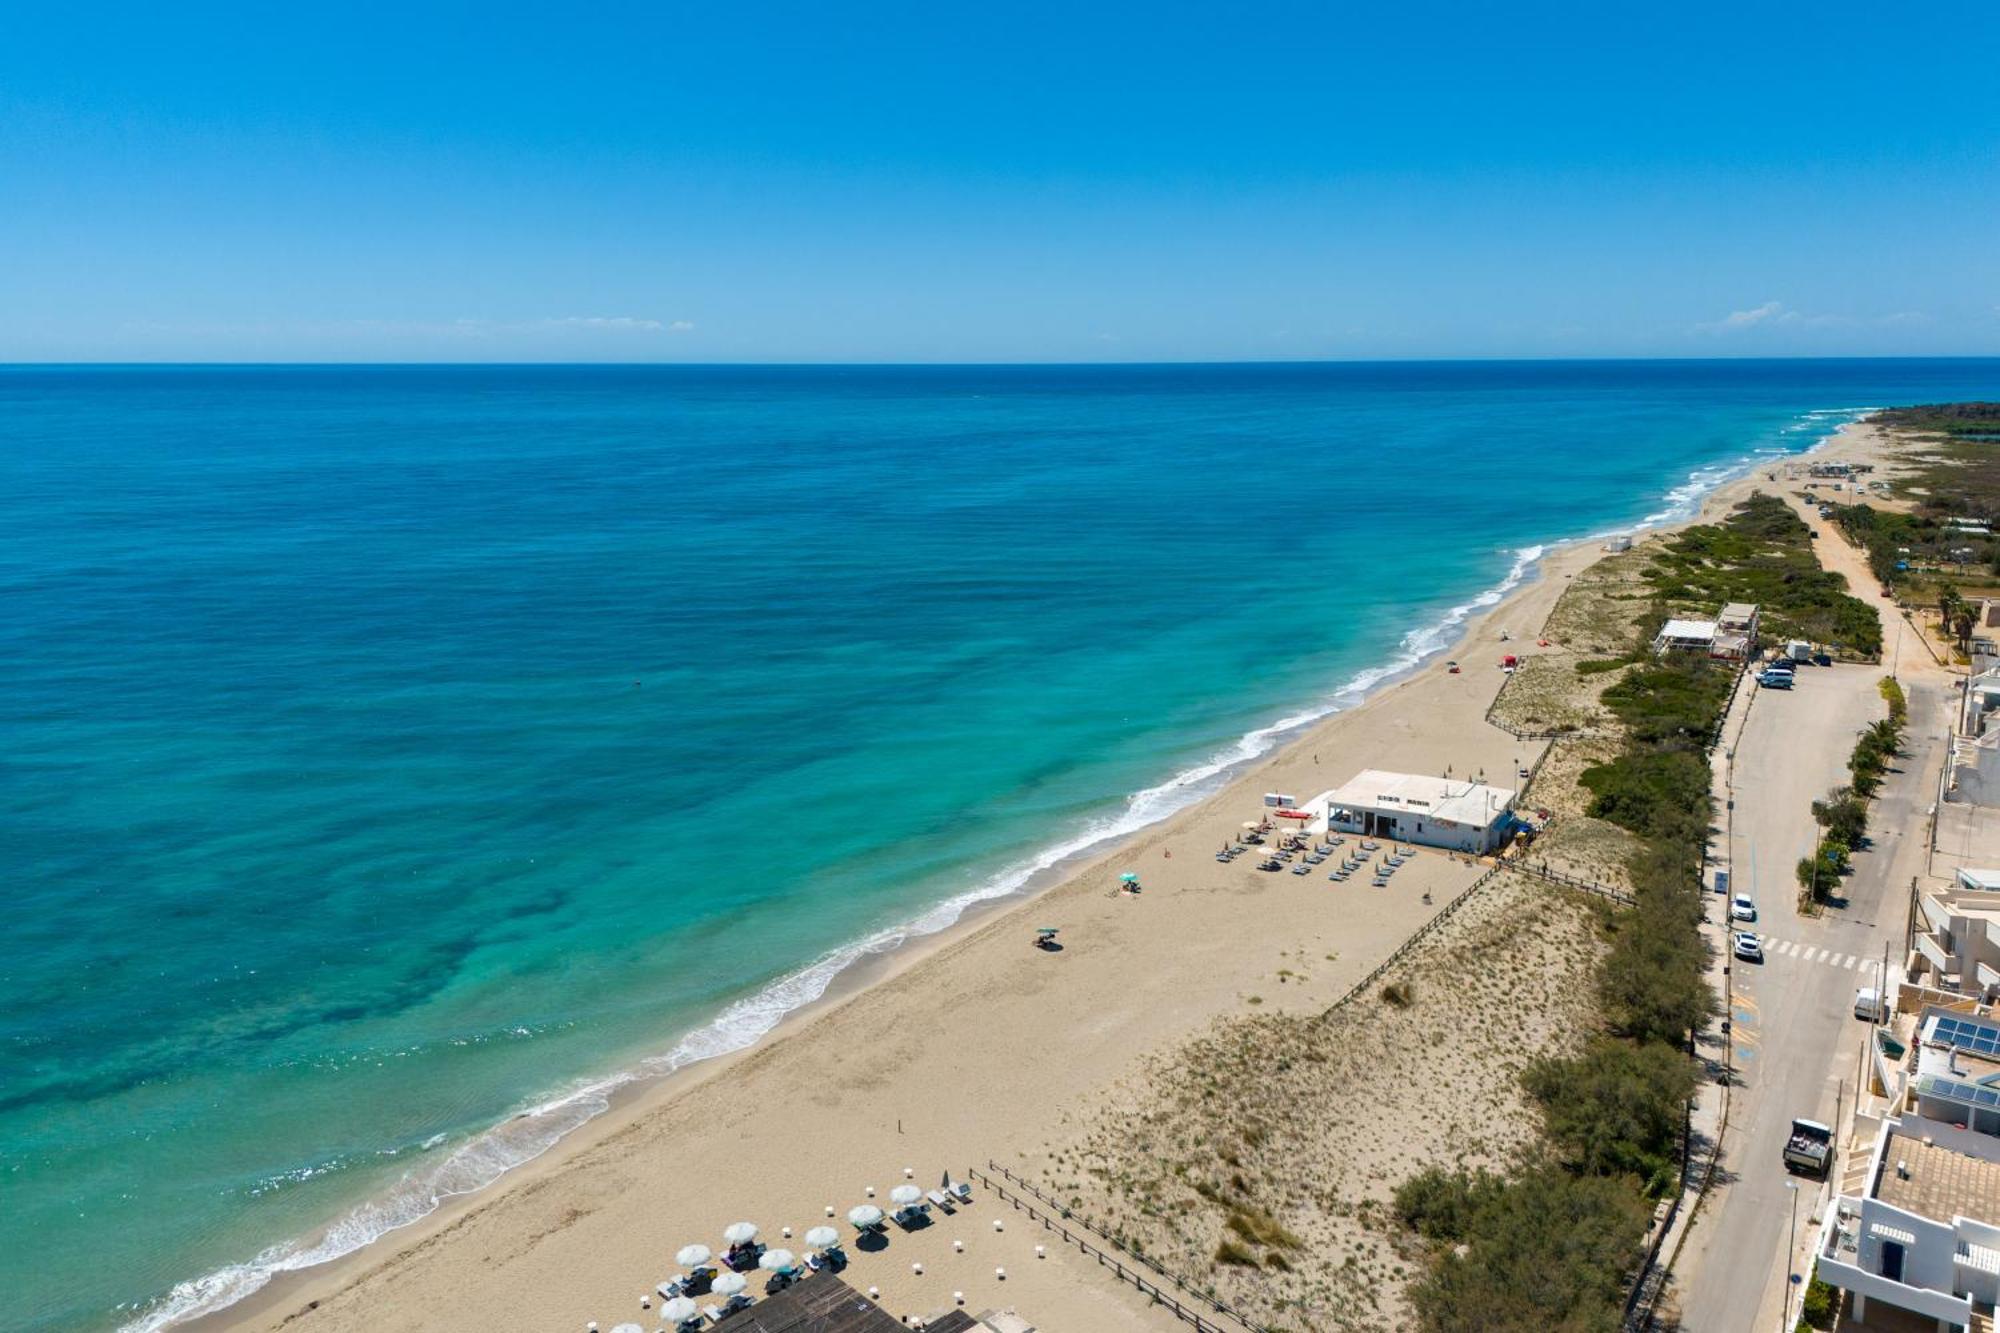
1966	1094
1967	1034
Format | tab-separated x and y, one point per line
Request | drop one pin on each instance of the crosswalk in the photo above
1809	953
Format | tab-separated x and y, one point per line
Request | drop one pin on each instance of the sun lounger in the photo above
941	1200
961	1191
1302	870
714	1313
1380	882
1339	876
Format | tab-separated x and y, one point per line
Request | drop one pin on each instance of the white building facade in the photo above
1452	813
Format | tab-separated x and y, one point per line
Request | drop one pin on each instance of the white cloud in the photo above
607	324
1743	319
1776	314
681	326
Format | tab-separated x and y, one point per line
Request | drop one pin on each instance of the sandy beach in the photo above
972	1047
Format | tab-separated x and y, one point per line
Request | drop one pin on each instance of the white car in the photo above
1748	947
1742	909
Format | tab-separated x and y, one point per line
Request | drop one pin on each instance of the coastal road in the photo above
1795	1039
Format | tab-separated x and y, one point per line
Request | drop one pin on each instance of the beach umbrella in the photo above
693	1256
740	1233
776	1260
678	1309
905	1194
729	1284
1250	823
867	1215
1130	877
821	1237
628	1328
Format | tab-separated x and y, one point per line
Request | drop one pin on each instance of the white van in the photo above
1870	1006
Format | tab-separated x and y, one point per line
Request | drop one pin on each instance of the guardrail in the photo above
1056	1214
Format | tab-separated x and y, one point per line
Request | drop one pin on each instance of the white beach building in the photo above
1685	636
1453	813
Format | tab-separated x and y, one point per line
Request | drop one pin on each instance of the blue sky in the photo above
942	182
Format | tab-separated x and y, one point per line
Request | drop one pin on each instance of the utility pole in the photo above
1791	1239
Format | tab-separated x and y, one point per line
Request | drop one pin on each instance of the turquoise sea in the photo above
396	753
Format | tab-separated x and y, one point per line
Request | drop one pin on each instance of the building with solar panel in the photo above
1916	1225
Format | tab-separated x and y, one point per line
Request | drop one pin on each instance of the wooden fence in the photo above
1052	1215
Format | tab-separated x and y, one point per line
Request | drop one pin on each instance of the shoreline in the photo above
627	1096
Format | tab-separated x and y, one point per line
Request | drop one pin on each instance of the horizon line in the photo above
805	364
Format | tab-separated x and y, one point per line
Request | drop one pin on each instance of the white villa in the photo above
1916	1227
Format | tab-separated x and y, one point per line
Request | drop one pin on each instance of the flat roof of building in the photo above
1968	901
1457	799
1937	1182
1688	629
1987	881
1738	611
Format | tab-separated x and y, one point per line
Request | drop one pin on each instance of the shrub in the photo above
1820	1303
1545	1251
1616	1108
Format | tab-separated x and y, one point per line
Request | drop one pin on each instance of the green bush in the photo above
1546	1252
1820	1304
1617	1108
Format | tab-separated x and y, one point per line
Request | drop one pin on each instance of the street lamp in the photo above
1791	1240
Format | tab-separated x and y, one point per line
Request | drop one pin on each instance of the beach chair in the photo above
1302	870
1339	876
961	1191
1381	882
714	1313
939	1199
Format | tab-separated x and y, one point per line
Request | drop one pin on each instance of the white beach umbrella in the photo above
679	1308
905	1194
693	1256
1251	823
777	1259
821	1237
740	1233
867	1215
729	1284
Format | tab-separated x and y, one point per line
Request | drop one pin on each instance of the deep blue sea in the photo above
389	751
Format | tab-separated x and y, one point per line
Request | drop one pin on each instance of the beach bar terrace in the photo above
1453	813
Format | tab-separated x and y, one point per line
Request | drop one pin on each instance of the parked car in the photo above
1775	680
1871	1005
1748	947
1822	659
1742	908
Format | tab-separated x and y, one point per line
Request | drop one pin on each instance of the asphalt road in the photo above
1795	1038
